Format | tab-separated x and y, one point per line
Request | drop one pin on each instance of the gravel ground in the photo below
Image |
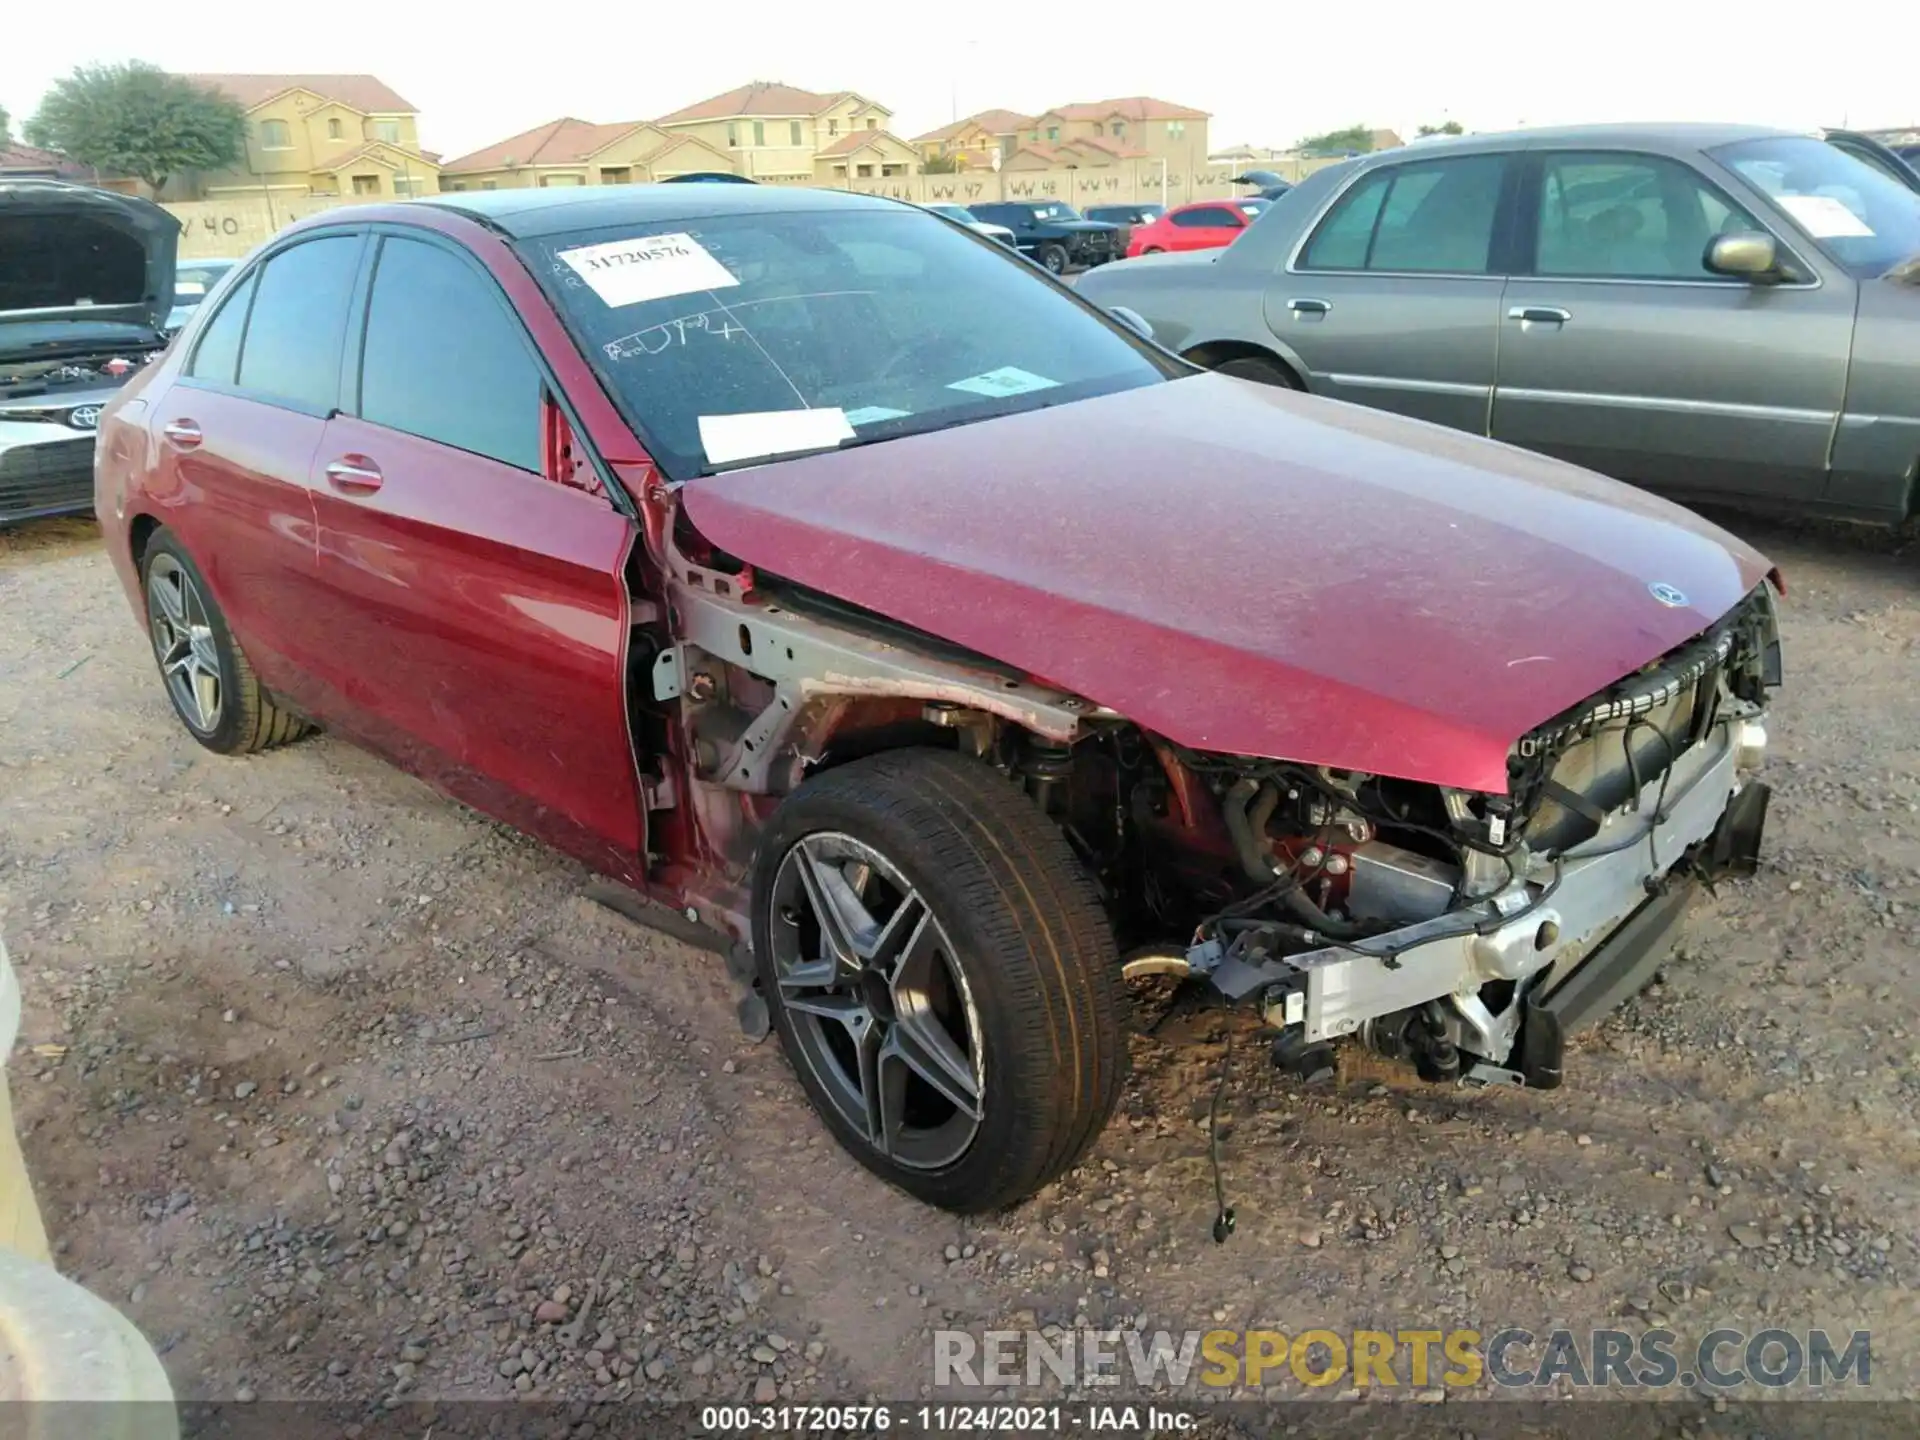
360	1098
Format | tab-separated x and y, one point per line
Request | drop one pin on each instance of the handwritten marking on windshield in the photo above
668	333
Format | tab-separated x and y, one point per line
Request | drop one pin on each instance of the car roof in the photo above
547	211
1689	134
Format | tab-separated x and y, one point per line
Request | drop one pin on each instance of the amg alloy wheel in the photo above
942	976
210	684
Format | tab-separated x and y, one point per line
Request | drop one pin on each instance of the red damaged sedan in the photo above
1205	225
829	574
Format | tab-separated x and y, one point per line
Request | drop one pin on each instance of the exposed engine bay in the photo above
1447	928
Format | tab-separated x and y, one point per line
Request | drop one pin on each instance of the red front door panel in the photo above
479	620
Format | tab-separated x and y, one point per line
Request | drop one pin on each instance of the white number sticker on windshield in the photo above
1007	380
872	414
764	433
1825	217
649	267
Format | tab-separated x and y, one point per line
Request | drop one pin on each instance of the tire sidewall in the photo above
1053	259
974	1171
225	737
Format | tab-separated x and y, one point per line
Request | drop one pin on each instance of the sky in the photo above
479	74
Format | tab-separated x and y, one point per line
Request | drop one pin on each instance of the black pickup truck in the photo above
1054	234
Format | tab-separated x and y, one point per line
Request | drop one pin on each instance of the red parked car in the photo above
826	572
1205	225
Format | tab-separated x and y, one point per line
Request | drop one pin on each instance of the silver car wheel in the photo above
183	643
878	1001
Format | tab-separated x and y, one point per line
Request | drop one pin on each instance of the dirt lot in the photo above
360	1096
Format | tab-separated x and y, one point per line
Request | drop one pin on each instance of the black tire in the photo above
1263	372
246	720
1031	945
1153	250
1053	259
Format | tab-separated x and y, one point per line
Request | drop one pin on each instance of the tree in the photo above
941	165
6	137
1358	138
1445	127
136	119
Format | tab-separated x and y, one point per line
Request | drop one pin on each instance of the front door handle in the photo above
1306	305
183	433
355	474
1539	315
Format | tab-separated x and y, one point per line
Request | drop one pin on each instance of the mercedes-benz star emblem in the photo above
84	417
1666	594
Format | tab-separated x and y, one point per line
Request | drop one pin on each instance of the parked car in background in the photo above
814	568
192	280
86	280
1205	225
1126	217
1267	185
1054	234
1719	312
960	215
1869	151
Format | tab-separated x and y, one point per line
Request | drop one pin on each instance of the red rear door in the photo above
237	434
477	607
1205	227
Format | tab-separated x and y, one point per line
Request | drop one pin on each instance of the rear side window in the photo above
293	340
217	356
1436	216
1212	217
445	361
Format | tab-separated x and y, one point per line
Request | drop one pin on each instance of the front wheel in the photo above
1261	372
1153	250
1054	258
942	976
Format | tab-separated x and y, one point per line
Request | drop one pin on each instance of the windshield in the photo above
1055	212
732	338
194	278
1867	222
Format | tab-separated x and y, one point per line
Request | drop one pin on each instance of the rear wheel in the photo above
1054	258
208	680
1263	372
942	976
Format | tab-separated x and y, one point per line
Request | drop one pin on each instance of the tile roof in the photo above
994	122
1131	107
859	140
565	141
17	160
394	157
1118	149
366	93
758	98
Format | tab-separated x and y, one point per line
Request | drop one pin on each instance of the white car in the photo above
961	215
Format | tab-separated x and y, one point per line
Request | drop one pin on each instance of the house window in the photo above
456	185
616	175
334	130
840	170
833	127
893	169
759	132
274	135
1053	133
554	181
872	123
1119	129
865	172
793	132
366	184
489	184
406	185
733	136
1176	129
387	130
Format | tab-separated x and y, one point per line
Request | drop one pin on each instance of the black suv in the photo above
1054	234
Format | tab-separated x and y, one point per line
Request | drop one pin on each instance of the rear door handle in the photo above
1539	315
355	474
1308	306
184	433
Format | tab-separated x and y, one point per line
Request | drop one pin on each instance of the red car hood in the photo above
1248	570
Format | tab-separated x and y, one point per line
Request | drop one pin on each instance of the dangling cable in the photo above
1222	1212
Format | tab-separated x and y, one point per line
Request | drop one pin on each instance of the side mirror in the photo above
1133	320
1747	255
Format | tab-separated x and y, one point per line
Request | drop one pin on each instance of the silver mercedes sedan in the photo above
1718	312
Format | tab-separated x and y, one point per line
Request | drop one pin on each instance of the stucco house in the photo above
318	135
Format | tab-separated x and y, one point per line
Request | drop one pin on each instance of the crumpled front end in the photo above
1469	933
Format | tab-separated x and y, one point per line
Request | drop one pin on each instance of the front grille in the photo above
1596	756
50	479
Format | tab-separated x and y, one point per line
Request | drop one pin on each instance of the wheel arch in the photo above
1211	353
140	532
